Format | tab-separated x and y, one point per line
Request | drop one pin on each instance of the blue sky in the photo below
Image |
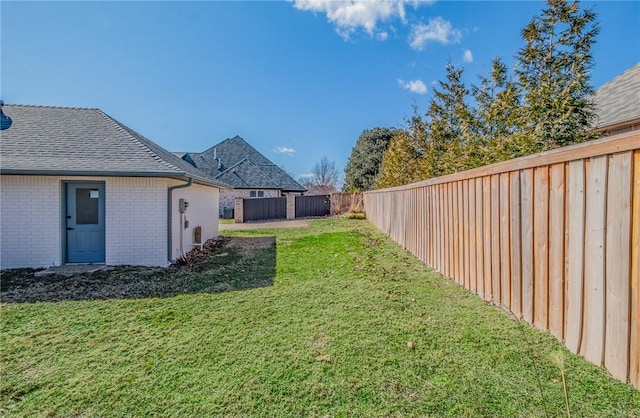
298	80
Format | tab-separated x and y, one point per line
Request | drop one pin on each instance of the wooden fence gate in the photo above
265	209
313	206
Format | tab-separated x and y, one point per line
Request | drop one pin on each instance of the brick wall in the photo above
29	221
202	211
135	219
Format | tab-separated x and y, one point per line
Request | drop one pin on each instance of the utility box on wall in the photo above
182	205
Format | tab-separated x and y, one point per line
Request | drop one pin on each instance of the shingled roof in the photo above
84	141
235	162
618	101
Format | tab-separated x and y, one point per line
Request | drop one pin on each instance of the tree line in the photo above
544	102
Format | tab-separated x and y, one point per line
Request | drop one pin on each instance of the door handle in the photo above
69	228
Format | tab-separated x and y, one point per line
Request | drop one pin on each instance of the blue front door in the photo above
85	222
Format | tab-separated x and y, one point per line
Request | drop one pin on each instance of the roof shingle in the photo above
81	141
618	100
235	162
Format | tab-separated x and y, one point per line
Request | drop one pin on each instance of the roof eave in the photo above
617	125
87	173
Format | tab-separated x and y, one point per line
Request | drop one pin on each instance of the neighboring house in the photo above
617	103
251	174
77	186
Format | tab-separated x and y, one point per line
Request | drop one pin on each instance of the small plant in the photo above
558	358
355	215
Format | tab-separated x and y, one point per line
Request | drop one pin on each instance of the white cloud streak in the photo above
467	56
414	86
284	150
350	15
437	30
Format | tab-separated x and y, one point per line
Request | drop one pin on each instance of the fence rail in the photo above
553	237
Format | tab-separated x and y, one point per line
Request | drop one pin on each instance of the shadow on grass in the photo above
239	264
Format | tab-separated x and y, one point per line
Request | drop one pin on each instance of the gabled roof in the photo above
235	162
618	100
82	141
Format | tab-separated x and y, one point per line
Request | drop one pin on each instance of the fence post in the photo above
239	210
291	206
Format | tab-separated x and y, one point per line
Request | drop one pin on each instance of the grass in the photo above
327	335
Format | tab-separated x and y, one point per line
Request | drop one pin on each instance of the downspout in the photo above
170	218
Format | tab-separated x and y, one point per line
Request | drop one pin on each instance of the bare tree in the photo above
325	177
306	182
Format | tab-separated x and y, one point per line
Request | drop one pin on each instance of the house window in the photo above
256	193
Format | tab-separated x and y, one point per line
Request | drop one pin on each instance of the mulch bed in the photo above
197	256
118	282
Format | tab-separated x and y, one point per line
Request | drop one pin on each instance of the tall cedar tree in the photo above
361	171
401	161
554	74
496	118
449	126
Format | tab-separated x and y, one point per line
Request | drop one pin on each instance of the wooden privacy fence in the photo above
553	237
346	202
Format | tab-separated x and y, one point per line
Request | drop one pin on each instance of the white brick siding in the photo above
30	221
31	224
202	211
136	221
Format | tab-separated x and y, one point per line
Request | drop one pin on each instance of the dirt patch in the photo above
224	264
296	223
248	245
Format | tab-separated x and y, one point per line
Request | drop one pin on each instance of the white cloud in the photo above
350	15
284	150
467	56
306	175
438	30
414	86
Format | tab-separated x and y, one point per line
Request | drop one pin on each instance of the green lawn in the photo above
325	335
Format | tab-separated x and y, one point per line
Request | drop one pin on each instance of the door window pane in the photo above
86	206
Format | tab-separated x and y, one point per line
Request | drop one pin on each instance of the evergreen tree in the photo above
496	117
401	162
449	126
554	73
361	171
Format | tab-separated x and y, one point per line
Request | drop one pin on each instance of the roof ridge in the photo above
234	166
134	137
218	144
51	107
